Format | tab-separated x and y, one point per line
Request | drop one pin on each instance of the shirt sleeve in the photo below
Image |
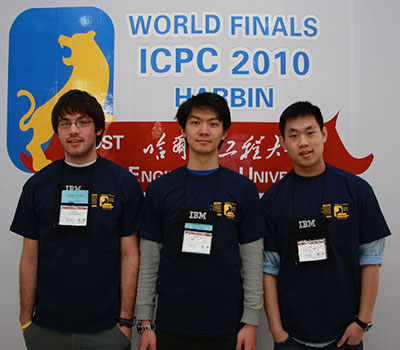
148	276
151	227
372	253
133	203
26	219
372	222
270	240
251	257
251	223
271	262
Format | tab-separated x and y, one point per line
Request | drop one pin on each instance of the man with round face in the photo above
324	244
304	141
201	245
80	257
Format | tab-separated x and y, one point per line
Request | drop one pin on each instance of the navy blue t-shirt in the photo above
318	300
78	274
201	294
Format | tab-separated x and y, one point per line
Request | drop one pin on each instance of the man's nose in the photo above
204	129
303	140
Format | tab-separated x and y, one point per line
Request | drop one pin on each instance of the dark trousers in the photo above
291	344
168	341
41	338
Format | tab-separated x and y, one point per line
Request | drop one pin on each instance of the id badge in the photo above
312	250
73	215
309	239
198	230
73	205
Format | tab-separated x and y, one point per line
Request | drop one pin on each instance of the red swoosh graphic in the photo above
149	149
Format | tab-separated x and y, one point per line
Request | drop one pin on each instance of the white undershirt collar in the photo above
80	165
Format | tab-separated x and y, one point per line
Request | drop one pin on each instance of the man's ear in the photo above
324	134
226	132
282	142
182	131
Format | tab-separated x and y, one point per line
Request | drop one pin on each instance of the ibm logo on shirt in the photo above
201	215
306	223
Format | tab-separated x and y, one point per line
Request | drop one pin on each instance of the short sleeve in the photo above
26	219
372	222
151	228
133	205
270	242
251	223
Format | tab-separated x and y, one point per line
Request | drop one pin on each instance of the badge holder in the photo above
309	239
72	206
197	231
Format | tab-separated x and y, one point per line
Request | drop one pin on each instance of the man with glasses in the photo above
80	256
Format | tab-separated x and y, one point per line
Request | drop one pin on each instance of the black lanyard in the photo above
184	186
293	191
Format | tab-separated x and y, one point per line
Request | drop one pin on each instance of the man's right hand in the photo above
148	340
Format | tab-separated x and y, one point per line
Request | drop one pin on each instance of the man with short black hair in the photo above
324	244
201	245
80	256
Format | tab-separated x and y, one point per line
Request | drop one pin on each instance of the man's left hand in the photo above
352	336
246	338
127	331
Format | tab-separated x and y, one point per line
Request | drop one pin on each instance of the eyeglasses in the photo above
80	123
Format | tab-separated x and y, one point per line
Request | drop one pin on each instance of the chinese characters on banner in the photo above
151	149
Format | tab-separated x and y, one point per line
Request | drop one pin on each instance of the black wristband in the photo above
365	326
125	322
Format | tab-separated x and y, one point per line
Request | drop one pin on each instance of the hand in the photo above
24	319
246	338
148	340
352	335
281	336
127	331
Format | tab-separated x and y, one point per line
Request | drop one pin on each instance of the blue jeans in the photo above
42	338
291	344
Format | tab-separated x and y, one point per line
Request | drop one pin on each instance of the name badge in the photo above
198	229
309	239
73	216
312	250
73	205
75	196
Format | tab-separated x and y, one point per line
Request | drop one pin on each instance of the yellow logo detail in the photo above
217	207
90	72
341	211
94	200
106	201
230	210
327	210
